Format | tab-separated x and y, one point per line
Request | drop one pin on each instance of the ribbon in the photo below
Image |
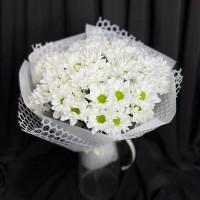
133	153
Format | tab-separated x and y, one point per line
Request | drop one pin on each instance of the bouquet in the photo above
97	87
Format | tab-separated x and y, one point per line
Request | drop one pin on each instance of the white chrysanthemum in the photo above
100	96
86	76
120	123
99	120
145	94
127	69
74	109
120	89
58	97
53	60
156	70
55	77
39	99
113	54
139	115
163	84
73	62
165	76
38	108
90	57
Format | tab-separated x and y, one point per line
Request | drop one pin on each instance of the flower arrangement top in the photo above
110	84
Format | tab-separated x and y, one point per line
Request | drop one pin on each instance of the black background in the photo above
168	159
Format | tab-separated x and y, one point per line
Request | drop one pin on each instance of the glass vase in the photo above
99	172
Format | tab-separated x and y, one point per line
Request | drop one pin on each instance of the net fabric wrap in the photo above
49	131
77	138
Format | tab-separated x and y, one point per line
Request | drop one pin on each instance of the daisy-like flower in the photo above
99	120
38	108
145	94
58	97
113	54
40	98
148	66
156	70
55	77
90	57
74	109
100	96
120	123
165	76
51	61
139	115
86	76
127	69
73	62
120	91
163	84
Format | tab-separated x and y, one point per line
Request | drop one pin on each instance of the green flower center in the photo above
119	95
117	121
76	110
61	101
138	107
143	96
79	64
102	98
125	71
101	119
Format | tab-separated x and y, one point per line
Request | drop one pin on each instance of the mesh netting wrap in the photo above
78	138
